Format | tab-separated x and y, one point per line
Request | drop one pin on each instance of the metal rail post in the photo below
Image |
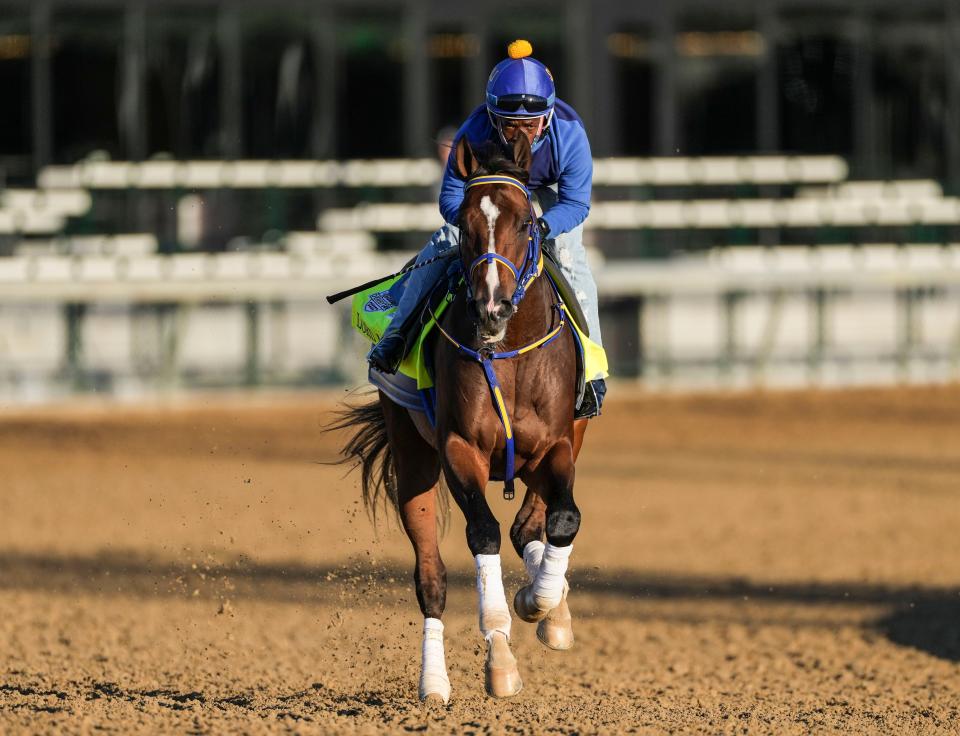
73	314
819	335
252	369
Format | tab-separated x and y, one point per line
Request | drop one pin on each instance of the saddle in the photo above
412	385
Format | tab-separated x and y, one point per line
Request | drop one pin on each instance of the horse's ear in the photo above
466	159
522	155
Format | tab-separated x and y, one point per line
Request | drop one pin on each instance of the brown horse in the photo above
402	454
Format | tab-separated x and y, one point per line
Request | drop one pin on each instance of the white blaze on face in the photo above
493	279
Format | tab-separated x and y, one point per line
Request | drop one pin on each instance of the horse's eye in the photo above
525	225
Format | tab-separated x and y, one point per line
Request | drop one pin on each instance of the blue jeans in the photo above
409	291
568	249
571	256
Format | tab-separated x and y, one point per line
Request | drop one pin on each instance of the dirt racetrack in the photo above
760	563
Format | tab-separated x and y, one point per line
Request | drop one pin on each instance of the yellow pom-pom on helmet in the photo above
519	49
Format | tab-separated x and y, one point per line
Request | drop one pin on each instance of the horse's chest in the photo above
530	433
480	422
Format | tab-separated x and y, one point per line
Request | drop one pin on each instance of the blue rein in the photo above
524	276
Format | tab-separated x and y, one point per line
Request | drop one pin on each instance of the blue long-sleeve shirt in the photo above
562	157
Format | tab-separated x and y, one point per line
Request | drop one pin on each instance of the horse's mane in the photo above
493	160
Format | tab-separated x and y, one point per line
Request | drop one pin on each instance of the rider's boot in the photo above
387	355
403	330
592	401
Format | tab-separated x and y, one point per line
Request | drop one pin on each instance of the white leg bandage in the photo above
433	668
494	613
532	555
548	586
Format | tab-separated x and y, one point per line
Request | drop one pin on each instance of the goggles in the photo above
529	103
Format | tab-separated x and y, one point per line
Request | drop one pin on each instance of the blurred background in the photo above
181	183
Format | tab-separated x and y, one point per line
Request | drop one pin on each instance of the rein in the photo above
531	268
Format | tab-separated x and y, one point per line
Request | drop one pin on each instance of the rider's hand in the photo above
543	227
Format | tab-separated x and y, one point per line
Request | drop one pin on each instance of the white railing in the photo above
734	316
188	277
305	273
308	273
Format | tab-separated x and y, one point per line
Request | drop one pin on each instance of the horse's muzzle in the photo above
491	318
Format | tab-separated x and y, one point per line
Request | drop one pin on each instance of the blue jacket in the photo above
561	157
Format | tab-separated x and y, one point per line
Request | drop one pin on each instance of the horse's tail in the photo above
369	448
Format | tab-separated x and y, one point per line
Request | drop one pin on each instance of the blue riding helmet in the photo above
520	87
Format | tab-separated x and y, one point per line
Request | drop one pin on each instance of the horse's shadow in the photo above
924	618
931	626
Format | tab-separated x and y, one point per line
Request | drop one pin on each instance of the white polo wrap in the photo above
433	669
494	612
548	585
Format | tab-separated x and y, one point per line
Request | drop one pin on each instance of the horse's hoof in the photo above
556	630
502	676
434	699
526	607
434	689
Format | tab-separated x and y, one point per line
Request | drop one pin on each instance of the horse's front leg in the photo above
545	598
467	472
555	627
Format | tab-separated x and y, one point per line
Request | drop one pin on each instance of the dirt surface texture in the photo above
782	563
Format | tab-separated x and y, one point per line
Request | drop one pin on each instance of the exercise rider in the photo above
521	100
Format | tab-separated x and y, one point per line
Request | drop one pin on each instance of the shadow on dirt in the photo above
925	618
931	626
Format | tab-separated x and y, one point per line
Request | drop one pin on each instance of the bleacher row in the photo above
134	245
40	211
683	214
311	275
67	191
679	171
820	197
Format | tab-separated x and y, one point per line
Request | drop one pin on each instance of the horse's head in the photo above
497	226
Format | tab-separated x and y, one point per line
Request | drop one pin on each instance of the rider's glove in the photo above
543	227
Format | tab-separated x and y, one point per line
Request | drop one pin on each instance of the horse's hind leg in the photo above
418	470
467	474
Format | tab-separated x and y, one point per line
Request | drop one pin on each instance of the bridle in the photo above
531	268
533	260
